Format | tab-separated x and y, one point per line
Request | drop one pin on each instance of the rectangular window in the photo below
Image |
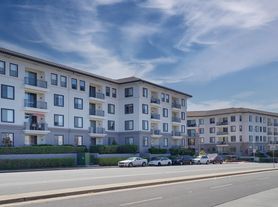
182	115
250	118
54	79
78	103
250	138
13	70
74	83
111	109
233	138
78	140
240	128
182	128
7	139
233	128
165	142
107	91
145	125
2	67
111	125
58	120
82	85
145	141
7	115
167	98
114	92
212	139
165	112
7	92
212	120
145	92
201	131
165	127
128	108
240	118
128	92
212	130
58	100
201	121
78	122
250	128
233	118
145	108
163	97
129	125
63	81
183	102
129	140
59	139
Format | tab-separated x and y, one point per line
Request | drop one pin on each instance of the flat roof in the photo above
82	72
228	111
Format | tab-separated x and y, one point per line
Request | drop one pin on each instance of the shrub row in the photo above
106	161
113	149
36	163
270	153
154	150
43	149
182	151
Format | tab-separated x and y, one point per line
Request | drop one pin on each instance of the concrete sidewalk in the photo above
267	198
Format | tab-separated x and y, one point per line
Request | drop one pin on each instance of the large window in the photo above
82	85
165	142
78	140
165	112
78	122
63	81
145	108
145	125
13	70
59	139
128	108
7	139
107	91
233	128
233	118
7	92
129	125
183	102
58	120
167	98
163	97
54	79
111	125
7	115
74	83
145	92
128	92
145	141
165	127
58	100
182	115
114	92
2	67
129	140
111	109
78	103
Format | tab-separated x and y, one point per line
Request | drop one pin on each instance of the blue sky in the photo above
224	53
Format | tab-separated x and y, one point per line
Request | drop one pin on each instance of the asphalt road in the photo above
210	192
24	182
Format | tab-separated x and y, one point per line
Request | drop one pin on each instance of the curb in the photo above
103	188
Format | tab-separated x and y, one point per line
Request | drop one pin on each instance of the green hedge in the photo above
182	151
111	161
36	163
154	150
113	149
270	153
42	149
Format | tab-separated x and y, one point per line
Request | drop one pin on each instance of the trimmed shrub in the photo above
111	161
154	150
36	163
113	149
270	153
182	151
42	149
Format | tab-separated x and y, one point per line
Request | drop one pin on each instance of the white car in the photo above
132	162
158	161
201	159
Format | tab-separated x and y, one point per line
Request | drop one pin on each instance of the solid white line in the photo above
221	186
142	201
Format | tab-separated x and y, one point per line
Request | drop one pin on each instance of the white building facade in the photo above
238	131
46	103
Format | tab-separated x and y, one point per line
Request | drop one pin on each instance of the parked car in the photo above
183	160
132	162
158	161
217	160
201	159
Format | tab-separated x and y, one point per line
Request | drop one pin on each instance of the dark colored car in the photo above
217	160
183	160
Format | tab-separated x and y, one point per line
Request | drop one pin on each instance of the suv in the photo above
183	160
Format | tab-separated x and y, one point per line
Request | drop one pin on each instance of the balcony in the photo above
192	125
177	135
269	133
35	106
156	133
275	133
36	128
269	124
97	132
176	105
222	123
155	101
155	117
192	135
275	124
96	114
98	97
222	133
35	84
222	143
176	119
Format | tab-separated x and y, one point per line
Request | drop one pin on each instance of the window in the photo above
63	81
2	67
233	118
78	122
145	125
212	130
250	138
7	115
165	112
233	138
13	70
240	128
212	140
240	118
167	98
54	79
78	103
78	140
212	120
58	100
107	91
250	118
182	128
74	83
145	108
145	141
202	139
114	92
240	138
111	125
250	128
165	127
7	139
233	128
182	115
128	92
59	139
201	121
183	102
58	120
128	108
7	92
129	140
201	131
111	109
165	142
129	125
145	92
82	85
163	97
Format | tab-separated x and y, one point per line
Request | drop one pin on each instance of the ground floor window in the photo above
78	140
59	139
7	139
129	140
145	141
165	142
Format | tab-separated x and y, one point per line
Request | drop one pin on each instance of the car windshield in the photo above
131	158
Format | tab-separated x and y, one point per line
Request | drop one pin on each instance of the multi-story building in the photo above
238	131
47	103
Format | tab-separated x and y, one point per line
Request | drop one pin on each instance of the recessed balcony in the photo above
36	128
35	85
96	114
176	105
155	117
35	106
155	102
97	97
156	133
97	132
222	123
222	133
177	135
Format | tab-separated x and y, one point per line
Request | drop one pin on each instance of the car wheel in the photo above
207	162
181	163
144	164
159	164
130	164
221	162
169	163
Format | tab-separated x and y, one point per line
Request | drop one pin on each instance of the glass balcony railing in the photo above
36	126
35	82
97	112
97	95
35	104
96	130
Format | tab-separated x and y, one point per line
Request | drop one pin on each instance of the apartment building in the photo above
47	103
237	131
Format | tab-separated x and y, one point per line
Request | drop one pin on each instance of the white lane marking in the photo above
221	186
142	201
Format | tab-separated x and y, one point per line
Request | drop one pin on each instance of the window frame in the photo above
10	69
129	92
6	109
63	83
145	109
3	70
145	92
57	103
107	91
76	104
108	125
114	92
129	107
82	85
63	118
74	79
54	82
7	86
76	122
145	123
127	124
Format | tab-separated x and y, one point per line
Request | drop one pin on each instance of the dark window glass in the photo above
13	70
114	92
129	109
78	122
78	103
63	81
129	125
82	85
107	91
54	79
111	109
58	100
58	120
74	83
7	92
128	92
2	67
111	125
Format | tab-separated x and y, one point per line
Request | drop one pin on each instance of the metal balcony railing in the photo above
222	133
176	133
155	116
176	119
96	130
35	82
36	126
192	125
155	132
155	100
222	123
176	105
96	112
35	104
97	95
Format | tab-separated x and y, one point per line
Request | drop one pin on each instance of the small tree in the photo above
6	141
202	152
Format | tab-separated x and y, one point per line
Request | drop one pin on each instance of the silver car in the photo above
133	161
